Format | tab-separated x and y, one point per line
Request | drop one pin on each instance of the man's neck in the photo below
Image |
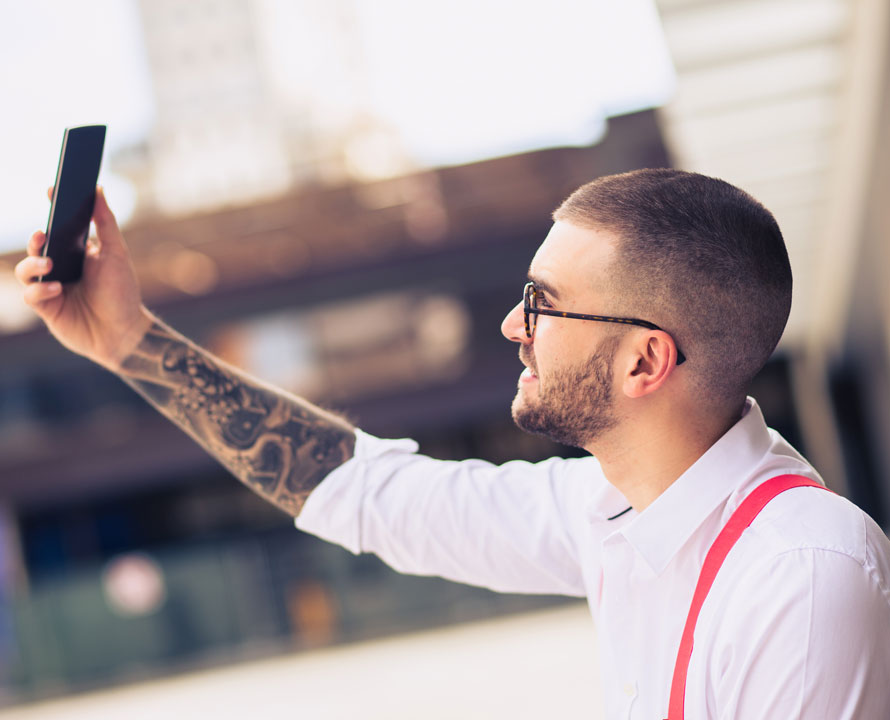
646	461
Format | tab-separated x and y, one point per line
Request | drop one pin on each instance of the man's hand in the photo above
101	316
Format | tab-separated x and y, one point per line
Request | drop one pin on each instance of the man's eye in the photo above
543	302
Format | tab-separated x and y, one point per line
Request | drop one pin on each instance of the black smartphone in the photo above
72	204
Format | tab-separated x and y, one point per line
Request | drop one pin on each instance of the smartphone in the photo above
72	203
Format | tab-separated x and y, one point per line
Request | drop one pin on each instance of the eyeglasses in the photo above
531	310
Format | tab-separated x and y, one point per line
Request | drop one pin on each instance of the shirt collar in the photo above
661	529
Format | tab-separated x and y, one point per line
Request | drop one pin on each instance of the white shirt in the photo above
796	625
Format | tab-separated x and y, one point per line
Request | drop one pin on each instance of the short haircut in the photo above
700	258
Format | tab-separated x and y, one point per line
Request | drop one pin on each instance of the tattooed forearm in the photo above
277	444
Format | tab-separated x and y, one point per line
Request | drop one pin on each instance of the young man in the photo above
652	303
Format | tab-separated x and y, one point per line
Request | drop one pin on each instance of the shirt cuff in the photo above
333	509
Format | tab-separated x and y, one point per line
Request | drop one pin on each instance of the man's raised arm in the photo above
275	443
280	446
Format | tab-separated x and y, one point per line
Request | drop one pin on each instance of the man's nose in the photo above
513	326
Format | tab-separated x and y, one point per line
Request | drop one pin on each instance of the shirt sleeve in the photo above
812	642
504	527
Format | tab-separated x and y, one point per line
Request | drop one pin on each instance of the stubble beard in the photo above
575	407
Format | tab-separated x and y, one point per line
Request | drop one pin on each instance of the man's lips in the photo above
528	375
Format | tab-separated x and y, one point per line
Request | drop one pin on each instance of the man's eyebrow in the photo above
543	285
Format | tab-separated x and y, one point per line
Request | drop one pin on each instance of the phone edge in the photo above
52	205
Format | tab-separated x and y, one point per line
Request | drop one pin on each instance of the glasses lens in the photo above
530	302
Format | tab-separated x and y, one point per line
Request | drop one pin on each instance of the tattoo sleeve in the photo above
278	445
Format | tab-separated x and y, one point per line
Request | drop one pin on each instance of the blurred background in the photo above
343	198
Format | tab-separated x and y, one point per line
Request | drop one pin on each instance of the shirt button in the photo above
630	689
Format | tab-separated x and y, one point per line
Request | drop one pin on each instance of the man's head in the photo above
693	255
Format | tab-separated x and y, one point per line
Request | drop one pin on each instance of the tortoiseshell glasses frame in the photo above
530	309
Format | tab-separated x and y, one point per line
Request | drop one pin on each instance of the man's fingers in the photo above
102	215
38	293
31	268
109	235
35	244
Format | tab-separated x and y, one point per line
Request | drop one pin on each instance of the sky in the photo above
521	75
63	64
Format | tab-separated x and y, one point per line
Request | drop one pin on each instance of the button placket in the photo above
630	691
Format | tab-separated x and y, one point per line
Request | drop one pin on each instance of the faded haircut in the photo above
700	258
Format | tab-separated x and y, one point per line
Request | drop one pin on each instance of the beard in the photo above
575	407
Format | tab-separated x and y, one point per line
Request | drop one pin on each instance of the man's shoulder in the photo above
805	607
811	519
809	546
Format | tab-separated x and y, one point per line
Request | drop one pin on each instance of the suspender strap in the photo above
740	519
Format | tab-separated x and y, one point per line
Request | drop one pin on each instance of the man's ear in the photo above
651	359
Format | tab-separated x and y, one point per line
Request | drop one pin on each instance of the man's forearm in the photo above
280	446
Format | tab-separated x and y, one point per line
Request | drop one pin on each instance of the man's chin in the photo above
537	421
528	418
520	408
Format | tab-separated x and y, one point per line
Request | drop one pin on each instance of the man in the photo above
652	303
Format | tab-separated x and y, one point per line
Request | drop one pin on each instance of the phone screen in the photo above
72	205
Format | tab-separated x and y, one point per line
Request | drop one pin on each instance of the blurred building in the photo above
218	134
228	129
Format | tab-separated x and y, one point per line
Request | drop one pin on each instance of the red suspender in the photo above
741	518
